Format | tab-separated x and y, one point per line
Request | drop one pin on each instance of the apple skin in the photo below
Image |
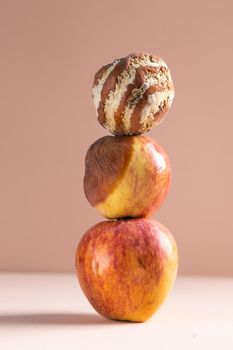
126	176
126	268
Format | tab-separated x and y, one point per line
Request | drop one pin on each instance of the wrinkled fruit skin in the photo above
126	268
126	176
133	93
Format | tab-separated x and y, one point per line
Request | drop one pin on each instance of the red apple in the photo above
126	268
126	176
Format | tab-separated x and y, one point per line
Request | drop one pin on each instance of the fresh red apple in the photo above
126	268
126	176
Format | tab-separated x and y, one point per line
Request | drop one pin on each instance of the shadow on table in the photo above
53	319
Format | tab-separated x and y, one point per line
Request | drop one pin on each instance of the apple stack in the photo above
127	265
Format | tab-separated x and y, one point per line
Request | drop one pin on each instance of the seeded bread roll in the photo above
133	93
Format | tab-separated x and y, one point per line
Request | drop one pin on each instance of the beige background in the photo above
49	53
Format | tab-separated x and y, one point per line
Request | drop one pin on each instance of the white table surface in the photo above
49	311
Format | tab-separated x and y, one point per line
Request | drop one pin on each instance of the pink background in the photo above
49	53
